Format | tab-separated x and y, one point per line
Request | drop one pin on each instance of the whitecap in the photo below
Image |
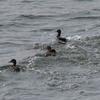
76	37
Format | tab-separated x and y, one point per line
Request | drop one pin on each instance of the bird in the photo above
14	67
59	38
50	52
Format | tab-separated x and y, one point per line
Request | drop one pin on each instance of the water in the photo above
27	27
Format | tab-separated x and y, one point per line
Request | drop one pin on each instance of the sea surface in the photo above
27	27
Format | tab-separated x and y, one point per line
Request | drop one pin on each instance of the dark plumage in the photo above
50	52
61	39
14	67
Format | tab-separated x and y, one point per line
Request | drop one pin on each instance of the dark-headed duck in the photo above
61	39
14	67
50	52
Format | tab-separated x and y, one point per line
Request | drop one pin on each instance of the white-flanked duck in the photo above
61	39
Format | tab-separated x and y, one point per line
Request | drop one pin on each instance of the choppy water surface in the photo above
27	27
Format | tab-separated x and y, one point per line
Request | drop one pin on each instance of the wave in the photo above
87	17
96	9
77	51
36	16
27	1
84	0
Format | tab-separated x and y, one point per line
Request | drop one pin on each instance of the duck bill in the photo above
9	62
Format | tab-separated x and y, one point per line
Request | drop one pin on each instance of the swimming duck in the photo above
61	39
14	67
50	52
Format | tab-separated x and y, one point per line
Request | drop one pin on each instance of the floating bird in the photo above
61	39
50	52
14	67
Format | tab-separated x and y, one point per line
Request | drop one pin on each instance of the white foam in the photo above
70	46
76	37
31	62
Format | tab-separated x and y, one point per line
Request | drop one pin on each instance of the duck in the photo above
59	38
50	52
14	67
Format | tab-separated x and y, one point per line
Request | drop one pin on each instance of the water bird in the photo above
50	52
14	67
59	38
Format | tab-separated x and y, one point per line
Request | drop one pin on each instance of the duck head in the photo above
59	32
48	48
13	61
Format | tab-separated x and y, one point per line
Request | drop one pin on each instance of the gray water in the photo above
27	27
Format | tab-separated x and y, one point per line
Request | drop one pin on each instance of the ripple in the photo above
87	17
27	1
84	0
36	16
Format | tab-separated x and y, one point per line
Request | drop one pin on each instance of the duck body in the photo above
50	52
14	67
61	39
